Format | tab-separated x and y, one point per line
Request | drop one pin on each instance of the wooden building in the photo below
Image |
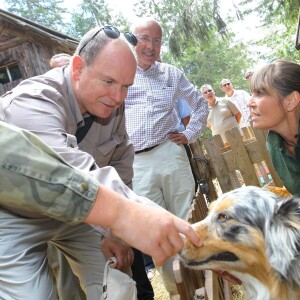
26	48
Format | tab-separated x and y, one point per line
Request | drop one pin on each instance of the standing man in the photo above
90	90
240	98
223	114
161	166
248	74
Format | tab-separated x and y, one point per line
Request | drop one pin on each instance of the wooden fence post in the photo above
218	163
261	138
241	156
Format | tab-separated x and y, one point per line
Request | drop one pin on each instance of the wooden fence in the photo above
219	169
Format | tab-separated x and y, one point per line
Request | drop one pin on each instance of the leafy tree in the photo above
46	12
209	63
280	18
91	13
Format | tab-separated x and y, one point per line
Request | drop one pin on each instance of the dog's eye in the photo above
223	217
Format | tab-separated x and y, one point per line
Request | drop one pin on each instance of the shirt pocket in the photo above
163	98
106	151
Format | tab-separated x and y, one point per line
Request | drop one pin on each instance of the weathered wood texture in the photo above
30	45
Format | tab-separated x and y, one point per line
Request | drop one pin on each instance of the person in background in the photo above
161	167
275	106
184	112
223	114
240	98
58	106
248	74
59	60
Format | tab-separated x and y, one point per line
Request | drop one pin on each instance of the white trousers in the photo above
164	176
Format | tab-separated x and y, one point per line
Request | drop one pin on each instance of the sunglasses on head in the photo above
225	84
113	33
207	91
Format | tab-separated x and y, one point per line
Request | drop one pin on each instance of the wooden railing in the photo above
220	168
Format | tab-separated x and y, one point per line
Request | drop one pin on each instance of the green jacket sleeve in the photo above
35	178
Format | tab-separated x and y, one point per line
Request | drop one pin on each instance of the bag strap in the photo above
111	263
82	131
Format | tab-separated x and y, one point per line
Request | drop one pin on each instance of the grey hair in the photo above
205	86
92	46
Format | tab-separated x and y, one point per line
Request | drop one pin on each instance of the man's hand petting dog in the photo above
161	235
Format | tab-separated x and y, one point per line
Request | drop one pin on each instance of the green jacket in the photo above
35	178
287	166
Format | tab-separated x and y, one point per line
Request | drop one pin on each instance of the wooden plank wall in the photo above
31	51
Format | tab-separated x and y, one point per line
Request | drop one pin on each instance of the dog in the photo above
255	236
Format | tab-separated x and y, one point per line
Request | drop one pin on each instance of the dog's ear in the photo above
288	212
283	239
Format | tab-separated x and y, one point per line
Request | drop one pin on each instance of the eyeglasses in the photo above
206	92
146	39
113	33
226	84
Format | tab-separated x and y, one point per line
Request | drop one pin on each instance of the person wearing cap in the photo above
223	114
57	106
240	98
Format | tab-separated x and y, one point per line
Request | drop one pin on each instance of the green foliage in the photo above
210	63
91	13
206	134
279	17
45	12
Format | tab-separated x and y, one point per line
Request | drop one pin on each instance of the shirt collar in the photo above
71	96
275	140
153	68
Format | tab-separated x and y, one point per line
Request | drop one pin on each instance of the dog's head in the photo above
249	231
